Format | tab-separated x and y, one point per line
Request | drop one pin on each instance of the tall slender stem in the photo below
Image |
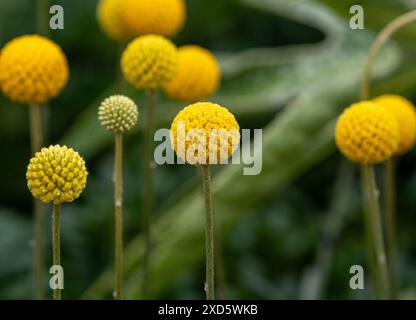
372	259
209	234
389	173
378	43
56	243
118	209
36	137
148	187
42	8
372	205
390	221
36	130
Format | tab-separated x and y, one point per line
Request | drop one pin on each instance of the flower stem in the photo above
209	234
383	37
390	221
42	7
36	131
148	187
56	243
118	206
36	137
372	205
378	43
372	259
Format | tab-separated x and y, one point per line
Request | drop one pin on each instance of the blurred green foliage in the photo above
293	231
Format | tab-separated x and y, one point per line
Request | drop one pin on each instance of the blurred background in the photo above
292	232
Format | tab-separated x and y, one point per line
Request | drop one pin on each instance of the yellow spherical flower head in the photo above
404	111
118	114
198	75
367	133
162	17
149	62
110	18
205	133
33	69
56	175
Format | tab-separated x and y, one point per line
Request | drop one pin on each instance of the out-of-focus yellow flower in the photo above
198	75
149	62
162	17
367	133
118	114
33	69
56	175
110	18
205	133
405	114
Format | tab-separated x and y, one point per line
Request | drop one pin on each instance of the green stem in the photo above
372	205
36	137
209	234
383	37
372	259
118	209
56	243
378	43
148	187
36	131
42	17
390	222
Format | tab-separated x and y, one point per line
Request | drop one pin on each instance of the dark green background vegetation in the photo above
289	67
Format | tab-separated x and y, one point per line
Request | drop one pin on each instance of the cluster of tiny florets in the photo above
110	18
404	112
198	75
118	114
205	133
150	62
56	175
367	133
33	69
122	20
162	17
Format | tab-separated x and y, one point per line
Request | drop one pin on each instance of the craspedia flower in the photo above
56	175
405	114
205	133
109	15
198	75
162	17
118	114
33	69
367	133
149	62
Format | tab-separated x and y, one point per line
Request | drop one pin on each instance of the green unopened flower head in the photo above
118	114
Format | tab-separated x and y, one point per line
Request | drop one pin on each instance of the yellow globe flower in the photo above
149	62
198	75
33	69
162	17
405	114
205	133
109	15
56	175
367	133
